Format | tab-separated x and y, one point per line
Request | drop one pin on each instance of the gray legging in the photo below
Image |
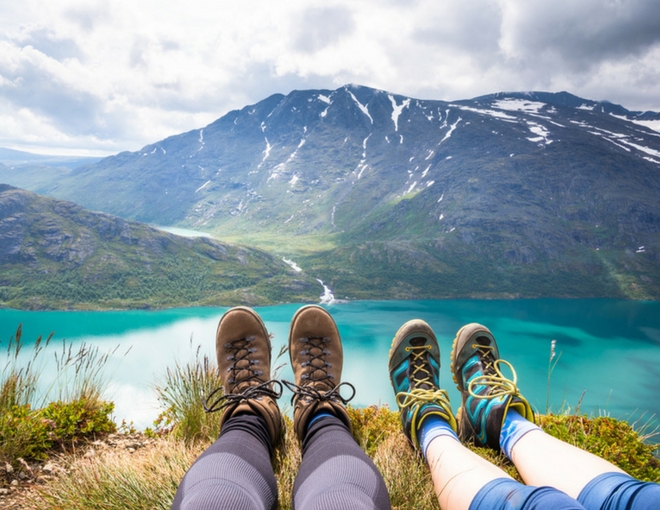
235	472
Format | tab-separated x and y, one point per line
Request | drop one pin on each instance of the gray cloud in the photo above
470	28
89	16
28	86
48	43
586	33
138	50
323	27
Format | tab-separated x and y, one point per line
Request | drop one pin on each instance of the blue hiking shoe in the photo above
414	372
487	393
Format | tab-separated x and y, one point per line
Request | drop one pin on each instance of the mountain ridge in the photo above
54	254
381	195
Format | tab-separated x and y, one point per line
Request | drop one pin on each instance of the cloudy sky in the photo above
102	76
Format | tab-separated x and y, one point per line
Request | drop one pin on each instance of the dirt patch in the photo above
20	480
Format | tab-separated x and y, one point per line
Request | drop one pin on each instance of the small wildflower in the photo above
552	349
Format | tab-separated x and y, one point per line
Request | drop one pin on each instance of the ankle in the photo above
432	427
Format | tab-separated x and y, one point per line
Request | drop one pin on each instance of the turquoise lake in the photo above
610	349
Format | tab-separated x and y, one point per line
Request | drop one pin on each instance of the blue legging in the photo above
609	491
235	473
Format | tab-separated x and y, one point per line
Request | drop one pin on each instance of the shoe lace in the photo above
265	389
499	384
420	397
420	366
241	350
315	350
312	393
421	376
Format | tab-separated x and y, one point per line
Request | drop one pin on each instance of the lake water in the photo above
610	349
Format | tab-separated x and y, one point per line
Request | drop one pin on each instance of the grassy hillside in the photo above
55	254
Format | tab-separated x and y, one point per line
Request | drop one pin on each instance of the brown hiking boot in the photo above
316	358
243	350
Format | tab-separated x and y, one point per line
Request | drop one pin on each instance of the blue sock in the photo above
433	426
318	416
513	428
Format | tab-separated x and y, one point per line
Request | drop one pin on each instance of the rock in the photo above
4	492
9	468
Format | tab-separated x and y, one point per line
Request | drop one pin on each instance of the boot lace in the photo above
315	350
264	389
421	376
241	351
493	378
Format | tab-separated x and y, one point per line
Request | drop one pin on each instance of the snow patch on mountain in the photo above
203	186
651	124
542	134
491	113
451	130
362	165
396	110
518	105
362	107
650	152
265	152
201	143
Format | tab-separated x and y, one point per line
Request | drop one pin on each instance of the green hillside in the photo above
55	254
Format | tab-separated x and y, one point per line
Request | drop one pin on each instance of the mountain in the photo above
13	157
385	196
55	254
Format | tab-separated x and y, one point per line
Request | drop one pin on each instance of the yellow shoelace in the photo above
500	384
419	395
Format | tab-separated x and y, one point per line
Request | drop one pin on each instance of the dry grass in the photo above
148	478
118	479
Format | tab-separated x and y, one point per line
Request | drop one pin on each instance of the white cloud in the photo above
118	74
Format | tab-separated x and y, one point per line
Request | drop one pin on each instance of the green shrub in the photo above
29	427
32	434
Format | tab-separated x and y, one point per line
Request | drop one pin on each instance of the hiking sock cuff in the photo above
433	426
318	416
513	428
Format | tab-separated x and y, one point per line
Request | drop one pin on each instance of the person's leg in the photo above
495	414
462	480
235	472
335	472
542	459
